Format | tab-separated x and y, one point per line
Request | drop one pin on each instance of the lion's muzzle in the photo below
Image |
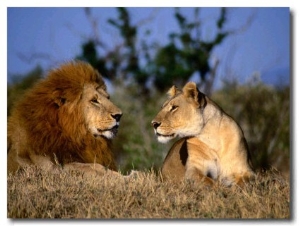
117	117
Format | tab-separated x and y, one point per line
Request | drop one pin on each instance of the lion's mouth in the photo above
108	133
114	130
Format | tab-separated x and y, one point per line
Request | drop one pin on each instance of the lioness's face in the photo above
180	115
102	117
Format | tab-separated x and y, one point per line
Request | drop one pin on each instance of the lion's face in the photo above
181	115
101	116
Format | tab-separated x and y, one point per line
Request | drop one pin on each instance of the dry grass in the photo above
37	194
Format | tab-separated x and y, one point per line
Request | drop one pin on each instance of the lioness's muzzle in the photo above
155	124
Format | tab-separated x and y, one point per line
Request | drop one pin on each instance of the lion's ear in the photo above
58	99
173	91
190	90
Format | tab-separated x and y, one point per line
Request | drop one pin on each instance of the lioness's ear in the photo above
173	91
191	90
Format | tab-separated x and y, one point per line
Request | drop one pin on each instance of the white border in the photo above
166	3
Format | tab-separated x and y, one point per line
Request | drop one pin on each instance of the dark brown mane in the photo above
50	114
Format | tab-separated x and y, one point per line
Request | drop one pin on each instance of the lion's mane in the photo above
47	127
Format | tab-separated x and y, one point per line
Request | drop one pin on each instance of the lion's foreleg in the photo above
90	169
44	162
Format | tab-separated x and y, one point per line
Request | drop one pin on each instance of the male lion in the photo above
212	145
66	119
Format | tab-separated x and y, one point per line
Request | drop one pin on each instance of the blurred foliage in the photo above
186	53
19	84
136	145
262	112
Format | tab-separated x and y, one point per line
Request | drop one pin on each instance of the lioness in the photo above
212	145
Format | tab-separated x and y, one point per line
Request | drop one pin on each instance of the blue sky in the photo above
57	33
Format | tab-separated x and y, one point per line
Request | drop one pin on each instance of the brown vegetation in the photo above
34	193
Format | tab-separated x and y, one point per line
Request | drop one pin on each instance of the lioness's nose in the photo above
117	117
155	124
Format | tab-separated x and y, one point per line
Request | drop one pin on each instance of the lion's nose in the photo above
117	117
155	124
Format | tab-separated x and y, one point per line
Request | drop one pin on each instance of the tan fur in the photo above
66	119
212	145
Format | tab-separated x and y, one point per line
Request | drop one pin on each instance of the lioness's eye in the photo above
173	108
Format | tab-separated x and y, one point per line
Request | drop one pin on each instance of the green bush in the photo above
136	145
263	113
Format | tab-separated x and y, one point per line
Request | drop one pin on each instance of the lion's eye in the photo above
173	108
95	101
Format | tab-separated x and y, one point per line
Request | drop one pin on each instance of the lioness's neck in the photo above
212	115
211	111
